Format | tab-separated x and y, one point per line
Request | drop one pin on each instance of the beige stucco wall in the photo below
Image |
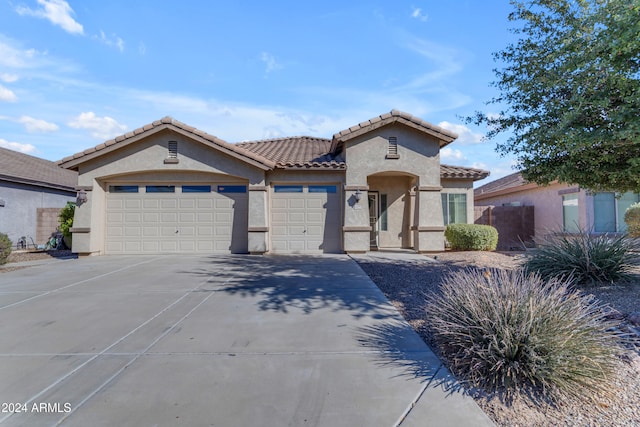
547	203
418	158
144	160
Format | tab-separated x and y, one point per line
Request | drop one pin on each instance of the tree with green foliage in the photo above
66	219
569	92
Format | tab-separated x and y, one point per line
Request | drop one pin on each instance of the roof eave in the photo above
73	162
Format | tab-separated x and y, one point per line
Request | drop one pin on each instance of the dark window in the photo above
383	212
196	189
123	189
322	189
232	188
173	150
287	188
161	188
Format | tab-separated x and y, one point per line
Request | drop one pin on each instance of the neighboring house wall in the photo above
547	202
19	215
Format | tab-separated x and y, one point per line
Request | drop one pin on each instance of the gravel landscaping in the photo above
406	283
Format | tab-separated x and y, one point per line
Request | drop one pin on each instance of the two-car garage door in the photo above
176	218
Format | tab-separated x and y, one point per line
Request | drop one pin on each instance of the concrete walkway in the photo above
217	340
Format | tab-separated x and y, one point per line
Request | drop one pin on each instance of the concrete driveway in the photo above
214	341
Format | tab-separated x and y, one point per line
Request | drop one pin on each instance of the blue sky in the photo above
76	73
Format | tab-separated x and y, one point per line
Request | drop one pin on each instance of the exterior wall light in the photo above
81	197
358	195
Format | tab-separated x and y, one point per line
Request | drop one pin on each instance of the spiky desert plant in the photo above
584	257
516	333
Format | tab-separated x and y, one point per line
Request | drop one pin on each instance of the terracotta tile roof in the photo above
26	169
159	125
296	152
460	172
394	116
512	181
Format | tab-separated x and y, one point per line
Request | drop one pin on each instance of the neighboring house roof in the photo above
444	136
160	125
296	152
506	185
26	169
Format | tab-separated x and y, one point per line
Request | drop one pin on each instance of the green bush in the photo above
5	248
632	219
66	218
513	333
472	237
584	258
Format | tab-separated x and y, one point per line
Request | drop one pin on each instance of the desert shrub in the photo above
5	248
584	257
510	332
472	237
632	219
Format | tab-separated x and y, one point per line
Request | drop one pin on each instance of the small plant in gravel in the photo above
513	333
585	258
632	219
472	237
5	248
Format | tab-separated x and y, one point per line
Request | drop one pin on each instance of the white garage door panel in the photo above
176	222
305	222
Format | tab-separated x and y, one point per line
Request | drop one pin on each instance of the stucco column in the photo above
81	230
258	219
430	223
356	229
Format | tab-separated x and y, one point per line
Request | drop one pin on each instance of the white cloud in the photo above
8	78
465	135
448	154
417	14
16	146
7	95
270	62
37	125
102	127
58	12
113	41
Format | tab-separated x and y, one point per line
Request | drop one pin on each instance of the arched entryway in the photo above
391	203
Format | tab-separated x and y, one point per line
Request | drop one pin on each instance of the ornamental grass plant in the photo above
584	257
515	333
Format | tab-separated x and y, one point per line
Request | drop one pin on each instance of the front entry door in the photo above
373	218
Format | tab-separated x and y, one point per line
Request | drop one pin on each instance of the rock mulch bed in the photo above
407	283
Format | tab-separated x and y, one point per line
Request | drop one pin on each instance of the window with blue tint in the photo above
196	189
123	189
287	188
232	188
161	188
322	189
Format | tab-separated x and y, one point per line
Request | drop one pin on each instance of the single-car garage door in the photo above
305	219
147	219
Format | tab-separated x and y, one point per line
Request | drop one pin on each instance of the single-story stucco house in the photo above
32	192
168	187
559	207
